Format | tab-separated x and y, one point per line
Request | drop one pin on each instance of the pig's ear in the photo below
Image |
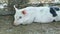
24	12
15	8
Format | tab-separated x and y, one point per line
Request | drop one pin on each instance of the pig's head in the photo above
19	16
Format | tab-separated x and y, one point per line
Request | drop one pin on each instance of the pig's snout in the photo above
15	23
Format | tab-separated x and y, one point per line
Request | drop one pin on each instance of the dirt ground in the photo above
6	27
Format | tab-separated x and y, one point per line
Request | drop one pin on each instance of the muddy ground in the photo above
6	27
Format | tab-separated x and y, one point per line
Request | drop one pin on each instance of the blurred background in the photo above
7	17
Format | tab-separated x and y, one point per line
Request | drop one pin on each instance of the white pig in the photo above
29	15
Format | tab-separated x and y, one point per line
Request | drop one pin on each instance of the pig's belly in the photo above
44	19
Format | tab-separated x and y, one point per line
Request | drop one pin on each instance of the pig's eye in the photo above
20	17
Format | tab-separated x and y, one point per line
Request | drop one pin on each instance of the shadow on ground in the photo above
6	27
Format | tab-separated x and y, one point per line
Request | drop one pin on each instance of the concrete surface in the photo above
6	27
